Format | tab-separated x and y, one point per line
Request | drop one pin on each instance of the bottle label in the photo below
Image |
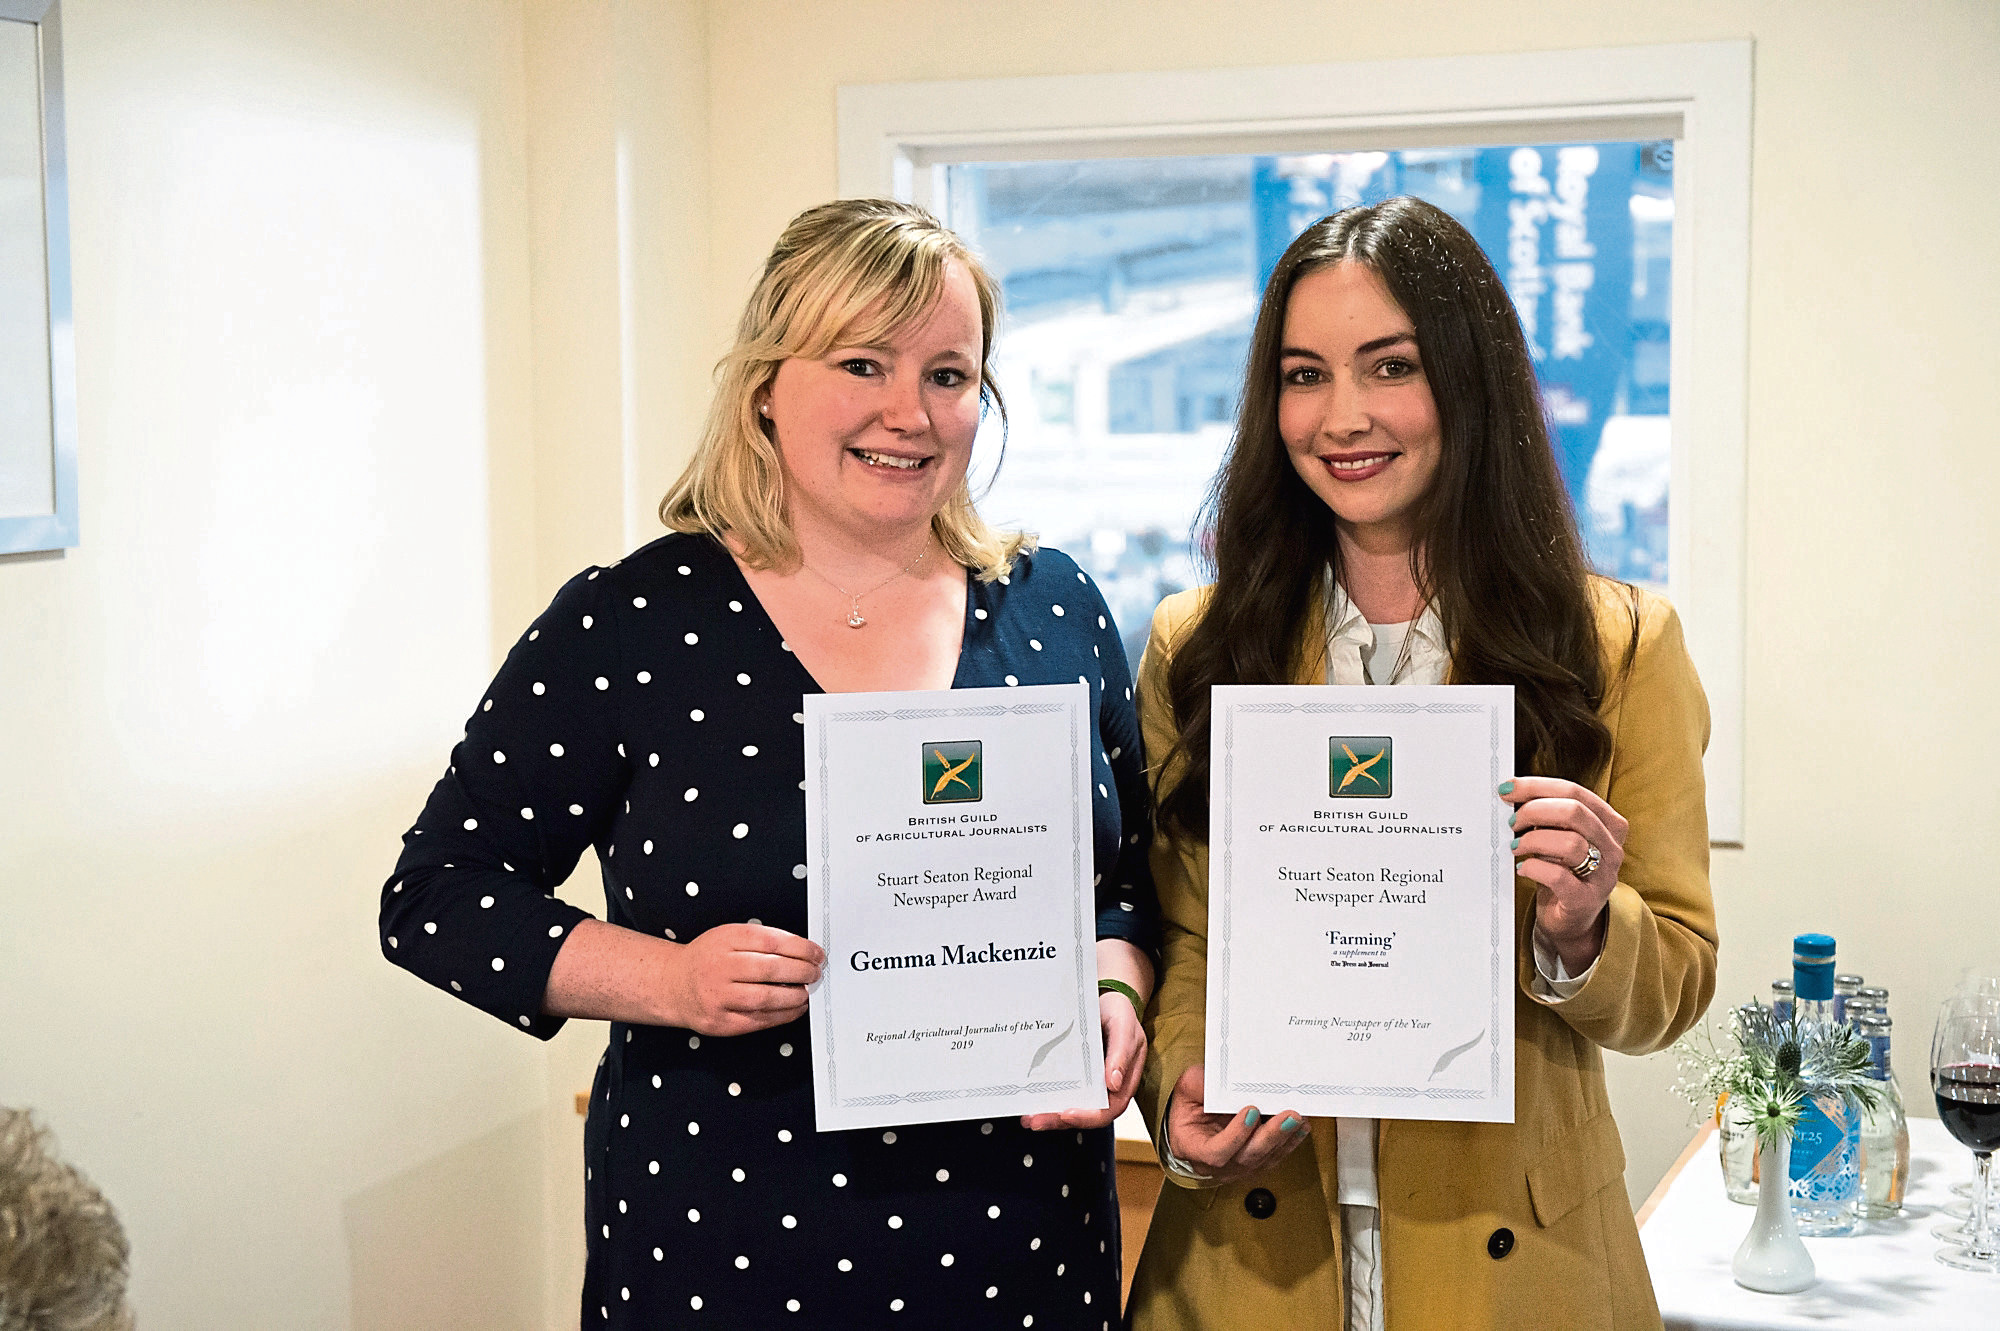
1825	1151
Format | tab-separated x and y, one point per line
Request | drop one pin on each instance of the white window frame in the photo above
897	138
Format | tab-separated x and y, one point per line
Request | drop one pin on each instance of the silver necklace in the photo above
855	619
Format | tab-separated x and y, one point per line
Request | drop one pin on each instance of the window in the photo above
1132	218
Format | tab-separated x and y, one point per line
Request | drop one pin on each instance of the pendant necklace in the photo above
855	619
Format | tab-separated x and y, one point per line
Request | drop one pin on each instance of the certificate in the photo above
1361	902
949	852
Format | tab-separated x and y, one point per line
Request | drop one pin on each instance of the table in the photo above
1882	1277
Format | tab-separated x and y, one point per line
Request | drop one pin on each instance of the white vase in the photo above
1772	1258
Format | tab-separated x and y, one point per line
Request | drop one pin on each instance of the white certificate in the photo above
1361	902
949	854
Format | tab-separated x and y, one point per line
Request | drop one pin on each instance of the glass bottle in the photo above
1844	988
1826	1141
1737	1138
1874	996
1781	1000
1885	1129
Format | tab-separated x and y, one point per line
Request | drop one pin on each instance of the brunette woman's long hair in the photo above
1497	553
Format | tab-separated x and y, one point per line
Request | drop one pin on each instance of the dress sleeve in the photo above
471	907
1127	906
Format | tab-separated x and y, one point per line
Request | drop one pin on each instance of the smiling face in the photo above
1354	408
875	439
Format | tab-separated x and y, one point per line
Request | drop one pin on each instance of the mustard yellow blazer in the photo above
1484	1225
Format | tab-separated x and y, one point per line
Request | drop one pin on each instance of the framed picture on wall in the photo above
37	349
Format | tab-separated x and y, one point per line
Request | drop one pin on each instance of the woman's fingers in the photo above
1277	1137
1527	790
769	968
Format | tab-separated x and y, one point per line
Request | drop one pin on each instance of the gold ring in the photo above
1588	865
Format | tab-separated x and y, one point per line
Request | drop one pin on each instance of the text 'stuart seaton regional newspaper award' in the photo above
949	866
1361	902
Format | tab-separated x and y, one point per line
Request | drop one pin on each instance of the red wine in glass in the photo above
1968	1101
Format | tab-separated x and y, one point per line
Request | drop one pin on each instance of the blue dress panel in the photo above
653	712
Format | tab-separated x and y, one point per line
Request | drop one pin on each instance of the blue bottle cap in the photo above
1814	945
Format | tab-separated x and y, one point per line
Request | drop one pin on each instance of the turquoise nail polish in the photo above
1506	787
1289	1125
1511	817
1516	845
1250	1117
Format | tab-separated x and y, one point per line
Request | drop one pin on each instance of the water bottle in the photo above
1781	1000
1844	988
1826	1141
1737	1135
1885	1129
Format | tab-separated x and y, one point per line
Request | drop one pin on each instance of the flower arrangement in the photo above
1773	1066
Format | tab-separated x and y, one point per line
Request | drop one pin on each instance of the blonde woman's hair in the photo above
847	273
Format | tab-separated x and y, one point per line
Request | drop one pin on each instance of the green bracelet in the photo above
1120	987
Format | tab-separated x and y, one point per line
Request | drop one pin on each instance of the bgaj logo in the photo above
952	771
1363	768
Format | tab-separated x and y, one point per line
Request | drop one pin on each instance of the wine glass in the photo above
1965	1076
1973	980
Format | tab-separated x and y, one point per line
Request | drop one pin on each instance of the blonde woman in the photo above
824	540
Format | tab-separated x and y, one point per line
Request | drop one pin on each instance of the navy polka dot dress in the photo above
650	713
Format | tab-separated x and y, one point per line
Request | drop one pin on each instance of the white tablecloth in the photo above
1884	1276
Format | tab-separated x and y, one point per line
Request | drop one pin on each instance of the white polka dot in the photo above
840	1180
472	824
499	964
791	1305
586	621
555	931
1036	1246
1006	581
1012	680
694	1041
430	926
1028	1160
625	1293
845	1265
602	683
638	603
529	814
1059	1268
798	871
1086	1296
621	1208
694	1129
785	1050
1081	680
694	889
895	1305
1029	1320
656	1081
694	1216
889	1139
946	1260
696	715
992	1213
1058	610
737	606
392	940
457	988
790	1222
979	614
695	1303
1115	753
740	831
737	1174
690	638
499	757
895	1222
486	706
1100	621
647	847
1035	643
1065	1192
671	935
652	760
540	688
736	1088
659	1255
644	677
992	1291
784	1134
624	1120
576	810
1102	791
742	1262
749	750
742	679
986	1129
786	645
799	717
685	570
944	1176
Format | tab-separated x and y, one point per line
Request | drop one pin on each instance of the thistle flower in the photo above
1775	1067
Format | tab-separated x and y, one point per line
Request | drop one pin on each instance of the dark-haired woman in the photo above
1391	513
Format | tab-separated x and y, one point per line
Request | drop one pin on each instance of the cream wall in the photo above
1872	476
302	314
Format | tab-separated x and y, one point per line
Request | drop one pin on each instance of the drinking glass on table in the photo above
1965	1076
1975	980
